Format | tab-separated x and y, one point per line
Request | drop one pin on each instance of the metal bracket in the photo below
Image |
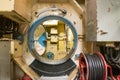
63	11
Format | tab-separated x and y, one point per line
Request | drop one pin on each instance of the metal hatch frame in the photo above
31	39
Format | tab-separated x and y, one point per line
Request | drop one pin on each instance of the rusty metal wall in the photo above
103	20
108	20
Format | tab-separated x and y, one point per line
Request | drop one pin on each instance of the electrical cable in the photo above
116	57
7	26
111	55
94	67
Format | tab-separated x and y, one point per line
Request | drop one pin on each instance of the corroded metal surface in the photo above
91	21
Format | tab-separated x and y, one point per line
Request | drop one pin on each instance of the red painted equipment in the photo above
118	77
85	67
84	72
26	77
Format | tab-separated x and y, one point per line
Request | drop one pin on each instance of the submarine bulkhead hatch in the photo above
52	39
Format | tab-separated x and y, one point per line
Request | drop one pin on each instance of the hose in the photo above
93	67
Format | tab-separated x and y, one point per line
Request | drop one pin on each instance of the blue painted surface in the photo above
42	39
77	56
50	55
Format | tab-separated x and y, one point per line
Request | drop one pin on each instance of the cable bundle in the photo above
7	26
92	67
112	56
96	68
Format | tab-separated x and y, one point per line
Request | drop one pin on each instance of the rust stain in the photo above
109	9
